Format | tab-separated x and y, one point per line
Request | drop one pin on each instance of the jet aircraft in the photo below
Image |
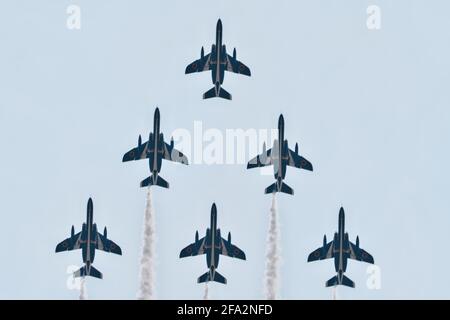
280	156
218	61
155	149
213	245
88	240
341	249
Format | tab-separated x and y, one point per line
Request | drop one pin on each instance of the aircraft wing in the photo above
172	154
322	253
194	249
236	66
135	154
262	160
231	250
202	64
359	254
69	244
107	245
296	160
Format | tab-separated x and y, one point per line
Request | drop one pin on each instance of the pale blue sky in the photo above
370	110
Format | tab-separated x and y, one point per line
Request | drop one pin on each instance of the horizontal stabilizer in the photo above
217	278
335	281
284	188
271	189
212	93
82	272
159	182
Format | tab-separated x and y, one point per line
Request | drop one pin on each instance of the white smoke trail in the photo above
83	289
147	272
334	295
206	295
273	254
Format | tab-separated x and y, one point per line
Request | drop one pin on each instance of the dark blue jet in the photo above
213	245
280	156
218	61
155	149
88	239
340	249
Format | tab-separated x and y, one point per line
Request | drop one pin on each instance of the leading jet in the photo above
155	149
213	245
341	249
218	61
280	156
88	240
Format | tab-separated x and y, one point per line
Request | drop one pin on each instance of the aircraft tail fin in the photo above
159	182
284	188
212	93
207	277
335	281
82	272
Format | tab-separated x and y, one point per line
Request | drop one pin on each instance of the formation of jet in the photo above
213	245
218	61
341	249
280	156
88	240
155	149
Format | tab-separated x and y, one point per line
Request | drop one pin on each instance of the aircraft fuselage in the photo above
341	247
281	157
218	58
89	231
155	146
212	244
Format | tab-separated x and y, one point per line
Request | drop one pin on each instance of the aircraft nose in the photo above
281	121
219	24
341	213
157	112
90	205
